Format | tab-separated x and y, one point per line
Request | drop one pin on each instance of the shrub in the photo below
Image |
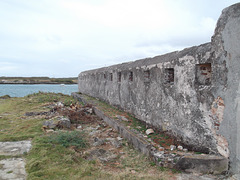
66	139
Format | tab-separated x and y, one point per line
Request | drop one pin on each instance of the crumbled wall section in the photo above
193	94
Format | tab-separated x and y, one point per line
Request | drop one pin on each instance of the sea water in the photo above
21	90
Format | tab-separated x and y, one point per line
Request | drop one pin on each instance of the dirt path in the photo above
13	168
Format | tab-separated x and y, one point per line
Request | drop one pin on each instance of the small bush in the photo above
5	97
66	139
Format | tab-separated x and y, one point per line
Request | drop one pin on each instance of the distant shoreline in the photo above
52	83
37	80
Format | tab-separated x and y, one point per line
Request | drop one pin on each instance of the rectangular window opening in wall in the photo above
203	74
147	76
104	76
130	76
119	76
111	77
169	76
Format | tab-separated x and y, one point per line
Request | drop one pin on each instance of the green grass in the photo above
49	160
60	155
15	125
66	139
42	97
198	153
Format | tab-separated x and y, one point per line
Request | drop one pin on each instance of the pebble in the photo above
185	150
180	148
60	104
119	138
172	147
149	131
123	118
49	130
133	172
79	127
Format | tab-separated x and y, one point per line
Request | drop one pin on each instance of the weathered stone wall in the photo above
194	94
226	87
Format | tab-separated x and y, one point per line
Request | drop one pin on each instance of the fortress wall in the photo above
165	91
193	94
226	47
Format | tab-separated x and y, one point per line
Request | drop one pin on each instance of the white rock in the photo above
185	150
13	150
123	118
180	148
149	131
49	130
79	127
90	111
172	147
158	154
60	104
119	138
133	172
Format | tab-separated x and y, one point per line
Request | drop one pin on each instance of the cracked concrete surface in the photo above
13	168
14	148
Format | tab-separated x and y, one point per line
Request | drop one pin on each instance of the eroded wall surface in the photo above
193	94
171	92
226	67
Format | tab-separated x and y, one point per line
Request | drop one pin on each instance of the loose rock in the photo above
172	147
116	143
98	141
122	118
101	154
60	105
119	138
89	110
185	150
180	148
50	124
49	130
64	122
149	131
79	127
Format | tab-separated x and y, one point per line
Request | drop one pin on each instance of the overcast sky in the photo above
61	38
